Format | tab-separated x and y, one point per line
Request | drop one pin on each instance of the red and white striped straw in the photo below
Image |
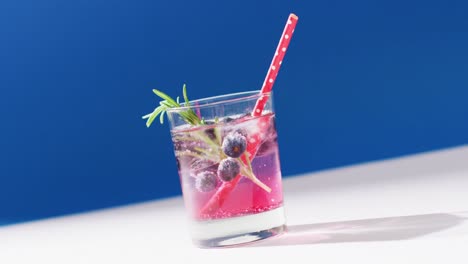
276	63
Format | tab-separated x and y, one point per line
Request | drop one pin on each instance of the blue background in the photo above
362	81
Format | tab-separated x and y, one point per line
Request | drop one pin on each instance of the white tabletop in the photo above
407	210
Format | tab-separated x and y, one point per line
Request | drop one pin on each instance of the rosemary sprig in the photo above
213	151
188	115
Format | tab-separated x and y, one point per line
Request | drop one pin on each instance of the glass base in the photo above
240	239
238	230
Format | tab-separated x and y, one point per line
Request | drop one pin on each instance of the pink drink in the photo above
245	198
230	172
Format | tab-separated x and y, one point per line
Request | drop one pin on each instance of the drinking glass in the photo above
229	169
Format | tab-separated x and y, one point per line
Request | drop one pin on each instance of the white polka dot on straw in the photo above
273	67
286	36
283	49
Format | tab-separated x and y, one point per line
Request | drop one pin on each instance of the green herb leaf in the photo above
153	115
184	92
161	117
166	97
188	115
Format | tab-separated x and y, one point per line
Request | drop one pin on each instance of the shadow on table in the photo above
379	229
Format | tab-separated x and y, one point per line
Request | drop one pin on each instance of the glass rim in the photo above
218	99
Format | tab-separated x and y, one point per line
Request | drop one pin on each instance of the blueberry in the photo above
237	118
228	169
234	144
206	181
210	132
228	119
241	131
178	164
266	148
